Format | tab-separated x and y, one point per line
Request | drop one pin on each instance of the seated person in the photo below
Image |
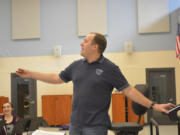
9	118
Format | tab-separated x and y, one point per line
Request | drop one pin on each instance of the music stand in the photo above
22	125
43	122
173	115
36	123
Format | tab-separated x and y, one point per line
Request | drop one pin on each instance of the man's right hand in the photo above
24	73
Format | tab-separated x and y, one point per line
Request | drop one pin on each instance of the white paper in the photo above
42	132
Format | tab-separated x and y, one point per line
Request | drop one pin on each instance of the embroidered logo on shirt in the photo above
99	71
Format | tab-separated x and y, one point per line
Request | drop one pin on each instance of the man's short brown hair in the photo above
101	41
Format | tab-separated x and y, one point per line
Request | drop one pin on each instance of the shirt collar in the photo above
99	60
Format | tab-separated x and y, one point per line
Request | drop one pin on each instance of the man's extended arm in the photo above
45	77
136	96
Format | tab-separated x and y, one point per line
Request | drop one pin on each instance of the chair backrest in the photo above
137	108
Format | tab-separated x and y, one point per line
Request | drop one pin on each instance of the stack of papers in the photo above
42	132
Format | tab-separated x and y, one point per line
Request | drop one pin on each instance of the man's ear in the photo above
96	47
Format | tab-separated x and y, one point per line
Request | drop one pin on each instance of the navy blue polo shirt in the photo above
92	88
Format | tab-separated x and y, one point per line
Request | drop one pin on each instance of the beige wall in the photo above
133	66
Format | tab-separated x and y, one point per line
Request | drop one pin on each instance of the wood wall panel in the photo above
56	109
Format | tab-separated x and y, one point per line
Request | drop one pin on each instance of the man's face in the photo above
87	46
7	109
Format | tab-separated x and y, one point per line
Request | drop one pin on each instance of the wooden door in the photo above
2	101
56	109
162	89
24	96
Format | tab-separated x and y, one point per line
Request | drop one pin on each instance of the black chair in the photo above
173	115
21	126
130	128
151	123
36	123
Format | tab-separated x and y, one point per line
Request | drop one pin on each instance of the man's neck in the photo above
93	58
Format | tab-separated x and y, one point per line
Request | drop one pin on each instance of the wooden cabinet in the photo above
122	110
56	109
118	108
2	101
